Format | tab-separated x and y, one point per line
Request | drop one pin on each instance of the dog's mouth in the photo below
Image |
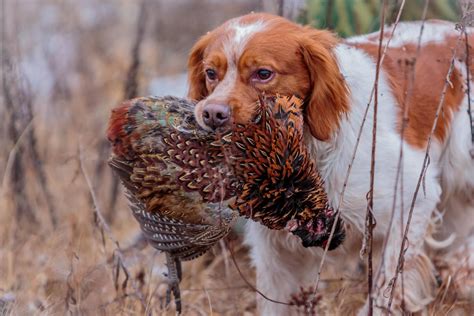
316	231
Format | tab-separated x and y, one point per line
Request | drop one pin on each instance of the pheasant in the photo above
186	185
174	177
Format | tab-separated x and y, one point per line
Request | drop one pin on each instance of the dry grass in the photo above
69	60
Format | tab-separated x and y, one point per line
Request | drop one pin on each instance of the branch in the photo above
250	285
349	167
13	105
104	230
468	84
369	217
399	175
404	245
130	91
19	103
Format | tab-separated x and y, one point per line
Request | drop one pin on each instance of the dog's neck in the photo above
331	160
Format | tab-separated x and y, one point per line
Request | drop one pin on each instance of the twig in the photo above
468	83
131	85
209	302
404	245
281	6
349	169
250	285
228	288
11	158
445	290
18	102
9	81
130	91
329	8
392	283
104	229
149	292
399	175
23	207
369	220
40	171
70	294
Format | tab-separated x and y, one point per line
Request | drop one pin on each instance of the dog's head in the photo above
261	53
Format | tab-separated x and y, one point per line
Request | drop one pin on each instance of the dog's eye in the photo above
211	74
263	75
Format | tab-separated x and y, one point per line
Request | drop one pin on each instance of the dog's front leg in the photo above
282	265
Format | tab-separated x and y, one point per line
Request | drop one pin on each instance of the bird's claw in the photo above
174	276
174	288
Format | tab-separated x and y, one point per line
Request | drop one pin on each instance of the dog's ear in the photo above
329	97
196	77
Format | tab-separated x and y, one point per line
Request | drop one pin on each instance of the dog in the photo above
260	53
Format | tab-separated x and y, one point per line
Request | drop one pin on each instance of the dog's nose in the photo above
216	115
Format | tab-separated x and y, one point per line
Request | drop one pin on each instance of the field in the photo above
68	243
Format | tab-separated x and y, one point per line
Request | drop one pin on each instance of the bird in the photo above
175	179
186	185
278	183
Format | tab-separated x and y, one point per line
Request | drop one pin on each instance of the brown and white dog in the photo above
256	53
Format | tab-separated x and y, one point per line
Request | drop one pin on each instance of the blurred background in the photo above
68	243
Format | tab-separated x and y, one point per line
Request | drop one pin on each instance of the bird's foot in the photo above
174	278
173	288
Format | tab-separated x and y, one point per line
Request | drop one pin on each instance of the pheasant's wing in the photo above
151	198
174	178
182	240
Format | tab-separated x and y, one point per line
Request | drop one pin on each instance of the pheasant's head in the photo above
279	184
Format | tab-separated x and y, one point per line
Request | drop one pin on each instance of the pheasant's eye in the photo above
211	74
263	75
